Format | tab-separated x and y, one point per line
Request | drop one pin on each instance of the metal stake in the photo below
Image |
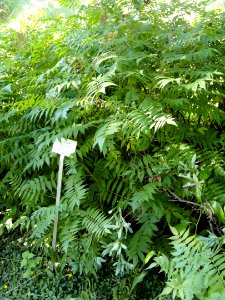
58	194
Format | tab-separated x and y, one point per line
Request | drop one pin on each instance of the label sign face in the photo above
64	146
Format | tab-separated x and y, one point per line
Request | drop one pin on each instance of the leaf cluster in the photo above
140	87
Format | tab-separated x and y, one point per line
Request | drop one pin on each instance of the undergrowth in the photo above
41	283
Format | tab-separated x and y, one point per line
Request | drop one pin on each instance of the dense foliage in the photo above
43	284
140	87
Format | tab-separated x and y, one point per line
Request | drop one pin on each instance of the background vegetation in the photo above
140	86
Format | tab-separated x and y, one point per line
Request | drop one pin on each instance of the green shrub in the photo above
140	87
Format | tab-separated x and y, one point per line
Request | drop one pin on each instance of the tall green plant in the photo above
140	87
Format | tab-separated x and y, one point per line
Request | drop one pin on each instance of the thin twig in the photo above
207	208
178	199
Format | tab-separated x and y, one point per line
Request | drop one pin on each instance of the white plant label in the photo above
64	147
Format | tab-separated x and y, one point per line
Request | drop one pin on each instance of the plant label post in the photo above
64	147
